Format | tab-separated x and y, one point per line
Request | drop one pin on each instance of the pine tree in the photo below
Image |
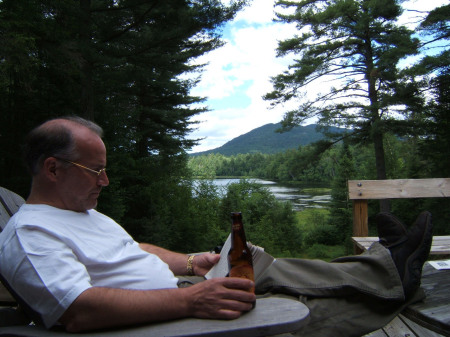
130	66
357	44
340	207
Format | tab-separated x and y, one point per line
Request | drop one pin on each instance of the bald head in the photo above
57	138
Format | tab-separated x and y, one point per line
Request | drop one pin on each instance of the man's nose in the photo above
103	179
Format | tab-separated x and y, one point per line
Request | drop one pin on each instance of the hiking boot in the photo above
411	253
390	229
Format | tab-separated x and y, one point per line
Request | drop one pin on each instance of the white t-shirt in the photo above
50	256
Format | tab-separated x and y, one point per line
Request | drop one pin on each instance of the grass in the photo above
317	190
307	220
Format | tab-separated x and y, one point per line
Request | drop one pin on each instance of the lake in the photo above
301	197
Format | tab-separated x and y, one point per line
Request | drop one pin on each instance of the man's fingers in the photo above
238	283
228	309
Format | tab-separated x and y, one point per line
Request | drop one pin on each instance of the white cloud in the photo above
247	62
260	11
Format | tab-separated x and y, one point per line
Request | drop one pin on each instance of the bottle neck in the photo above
237	232
237	228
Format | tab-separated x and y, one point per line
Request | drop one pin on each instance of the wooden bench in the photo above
360	191
440	245
430	317
271	316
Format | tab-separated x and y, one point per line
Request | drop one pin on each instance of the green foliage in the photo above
435	30
268	223
310	163
206	217
320	237
340	207
314	224
434	145
303	164
322	234
325	252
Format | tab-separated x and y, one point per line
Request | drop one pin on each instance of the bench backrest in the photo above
10	202
360	191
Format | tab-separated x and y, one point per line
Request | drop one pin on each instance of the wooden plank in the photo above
398	328
399	188
271	316
402	326
377	333
433	312
419	330
364	242
439	246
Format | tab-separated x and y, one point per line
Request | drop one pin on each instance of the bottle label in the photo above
243	271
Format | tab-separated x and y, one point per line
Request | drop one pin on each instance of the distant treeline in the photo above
305	164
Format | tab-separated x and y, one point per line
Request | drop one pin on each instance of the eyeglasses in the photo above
97	172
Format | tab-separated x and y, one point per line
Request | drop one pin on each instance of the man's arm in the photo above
178	262
220	298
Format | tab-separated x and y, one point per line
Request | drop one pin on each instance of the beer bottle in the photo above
239	256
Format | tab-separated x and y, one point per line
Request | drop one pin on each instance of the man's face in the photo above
79	188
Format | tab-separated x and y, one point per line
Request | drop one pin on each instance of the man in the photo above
77	267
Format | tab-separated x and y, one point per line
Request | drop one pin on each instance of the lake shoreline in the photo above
300	195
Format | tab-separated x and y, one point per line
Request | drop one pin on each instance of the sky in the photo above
238	74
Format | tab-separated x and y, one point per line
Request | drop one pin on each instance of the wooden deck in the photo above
428	318
431	317
402	326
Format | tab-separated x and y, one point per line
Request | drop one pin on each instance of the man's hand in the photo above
204	262
221	298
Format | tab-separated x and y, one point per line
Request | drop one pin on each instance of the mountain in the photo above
265	139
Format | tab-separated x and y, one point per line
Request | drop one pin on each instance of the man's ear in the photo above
50	168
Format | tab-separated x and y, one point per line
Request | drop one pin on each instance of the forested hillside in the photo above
268	139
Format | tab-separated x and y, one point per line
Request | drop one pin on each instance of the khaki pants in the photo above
350	296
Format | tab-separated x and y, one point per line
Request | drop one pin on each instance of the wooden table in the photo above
434	311
271	316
